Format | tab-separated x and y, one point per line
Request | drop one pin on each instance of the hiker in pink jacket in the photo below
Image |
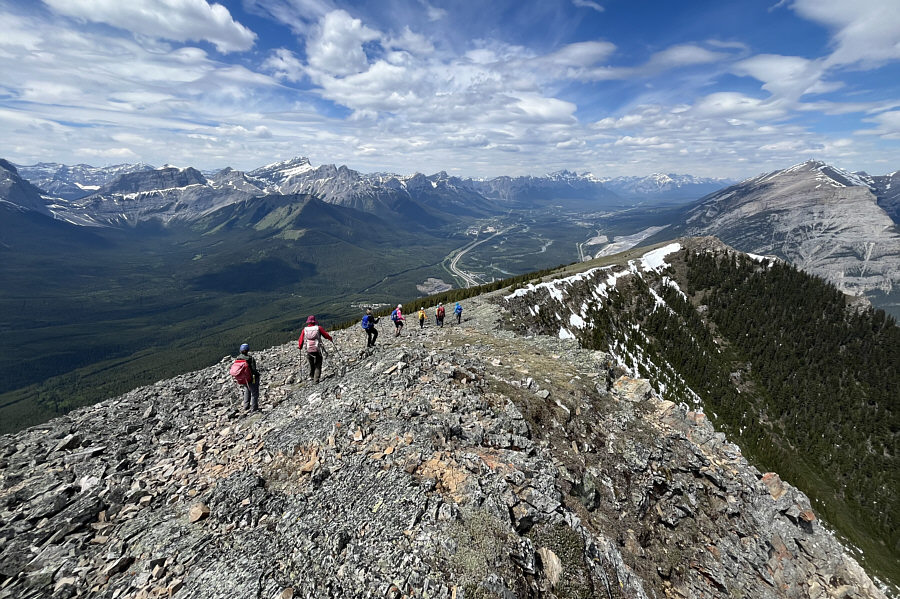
311	341
397	317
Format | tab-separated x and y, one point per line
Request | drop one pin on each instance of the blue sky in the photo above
614	87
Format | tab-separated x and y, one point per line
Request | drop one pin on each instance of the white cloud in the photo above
284	64
588	4
866	32
177	20
580	54
337	47
785	76
681	55
299	15
112	153
434	13
887	125
736	105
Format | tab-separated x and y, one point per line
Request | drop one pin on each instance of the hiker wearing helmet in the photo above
397	317
458	311
368	324
439	315
251	388
311	341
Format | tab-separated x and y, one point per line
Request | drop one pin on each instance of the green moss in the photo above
481	548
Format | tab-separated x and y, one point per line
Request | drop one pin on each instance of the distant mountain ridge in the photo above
71	182
669	186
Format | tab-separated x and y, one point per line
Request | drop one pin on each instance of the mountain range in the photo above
175	257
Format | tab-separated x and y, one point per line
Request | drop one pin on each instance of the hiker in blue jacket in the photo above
368	324
458	311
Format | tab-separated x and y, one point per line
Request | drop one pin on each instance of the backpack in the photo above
240	371
440	311
365	324
394	315
311	336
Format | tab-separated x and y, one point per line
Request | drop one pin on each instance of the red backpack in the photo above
240	372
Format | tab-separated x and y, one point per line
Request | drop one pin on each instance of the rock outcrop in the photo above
458	462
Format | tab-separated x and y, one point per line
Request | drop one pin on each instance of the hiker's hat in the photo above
245	347
310	319
399	305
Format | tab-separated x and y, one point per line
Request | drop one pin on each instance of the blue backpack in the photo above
366	322
394	315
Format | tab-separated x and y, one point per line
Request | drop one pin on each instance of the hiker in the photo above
439	315
458	311
422	317
251	387
311	341
368	324
397	317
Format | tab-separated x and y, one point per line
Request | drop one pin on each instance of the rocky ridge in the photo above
467	461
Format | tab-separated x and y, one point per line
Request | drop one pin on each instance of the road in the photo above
456	255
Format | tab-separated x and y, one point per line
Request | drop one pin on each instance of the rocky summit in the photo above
456	462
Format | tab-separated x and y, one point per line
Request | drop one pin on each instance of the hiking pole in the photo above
343	370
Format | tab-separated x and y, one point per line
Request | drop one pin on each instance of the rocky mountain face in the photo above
431	200
165	194
18	193
824	220
887	190
71	182
454	462
660	186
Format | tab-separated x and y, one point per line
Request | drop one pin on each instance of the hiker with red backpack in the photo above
311	341
246	374
439	314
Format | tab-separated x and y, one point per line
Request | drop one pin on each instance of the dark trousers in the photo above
315	365
371	336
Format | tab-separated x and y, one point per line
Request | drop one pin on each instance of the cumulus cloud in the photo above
337	46
177	20
284	64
